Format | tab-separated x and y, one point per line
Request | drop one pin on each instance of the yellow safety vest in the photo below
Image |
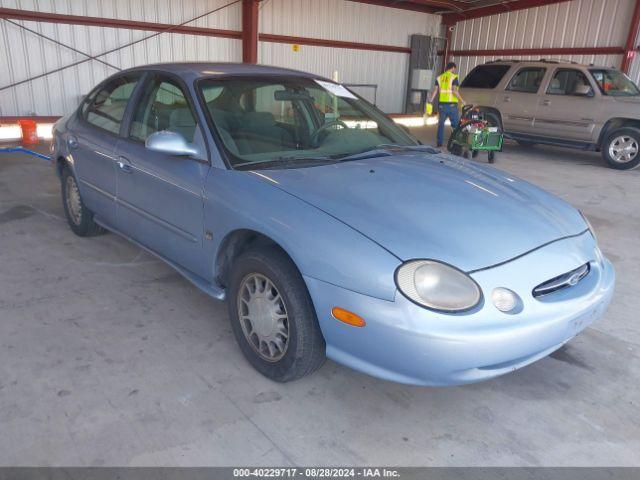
445	83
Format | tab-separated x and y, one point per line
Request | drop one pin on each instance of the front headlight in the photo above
437	286
586	220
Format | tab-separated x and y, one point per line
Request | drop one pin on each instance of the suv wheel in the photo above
79	217
621	149
272	316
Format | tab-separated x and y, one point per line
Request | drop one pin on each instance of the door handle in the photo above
546	102
72	142
124	165
507	99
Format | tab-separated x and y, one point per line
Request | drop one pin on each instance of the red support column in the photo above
250	31
448	32
630	46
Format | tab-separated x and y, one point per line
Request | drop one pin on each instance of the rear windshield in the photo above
485	76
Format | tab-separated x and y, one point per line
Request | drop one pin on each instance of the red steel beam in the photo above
320	42
114	23
502	7
538	51
250	31
629	46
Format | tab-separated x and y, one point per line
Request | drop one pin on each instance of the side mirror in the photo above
171	143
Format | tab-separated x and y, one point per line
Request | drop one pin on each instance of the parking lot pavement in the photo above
109	357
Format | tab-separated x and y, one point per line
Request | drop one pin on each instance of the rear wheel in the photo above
621	149
79	217
491	157
272	316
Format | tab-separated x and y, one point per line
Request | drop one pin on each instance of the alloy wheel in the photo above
623	149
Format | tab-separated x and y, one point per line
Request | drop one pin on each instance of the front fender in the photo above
321	246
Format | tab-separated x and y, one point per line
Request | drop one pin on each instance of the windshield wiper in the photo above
386	150
284	161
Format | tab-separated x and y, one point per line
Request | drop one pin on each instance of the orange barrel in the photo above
29	131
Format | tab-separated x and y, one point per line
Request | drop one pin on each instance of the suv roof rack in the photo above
504	60
540	60
560	60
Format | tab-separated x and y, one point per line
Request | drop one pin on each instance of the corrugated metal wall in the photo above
634	68
579	23
347	21
24	55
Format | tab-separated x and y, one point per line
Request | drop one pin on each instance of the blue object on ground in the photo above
26	151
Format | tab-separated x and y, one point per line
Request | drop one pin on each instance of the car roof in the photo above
195	70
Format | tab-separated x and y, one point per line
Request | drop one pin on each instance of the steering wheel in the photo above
315	136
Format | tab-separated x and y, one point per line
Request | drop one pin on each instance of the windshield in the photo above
294	119
614	83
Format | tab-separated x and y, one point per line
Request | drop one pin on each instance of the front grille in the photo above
565	280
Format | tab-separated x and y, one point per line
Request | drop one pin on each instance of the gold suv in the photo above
561	103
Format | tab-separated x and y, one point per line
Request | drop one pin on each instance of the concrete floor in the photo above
109	357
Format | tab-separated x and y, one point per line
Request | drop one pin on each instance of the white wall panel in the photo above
387	70
352	22
578	23
343	20
24	55
159	11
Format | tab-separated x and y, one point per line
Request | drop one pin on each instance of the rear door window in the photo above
569	82
106	108
527	80
485	76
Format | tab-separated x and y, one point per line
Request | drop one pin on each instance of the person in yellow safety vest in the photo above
449	96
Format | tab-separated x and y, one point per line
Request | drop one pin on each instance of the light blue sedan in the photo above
329	230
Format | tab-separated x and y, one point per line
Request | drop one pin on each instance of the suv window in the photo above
485	76
569	82
163	107
527	80
614	83
105	109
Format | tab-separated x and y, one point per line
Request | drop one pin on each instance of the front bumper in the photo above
406	343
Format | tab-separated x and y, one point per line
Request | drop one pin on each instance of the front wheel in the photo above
273	317
79	217
621	148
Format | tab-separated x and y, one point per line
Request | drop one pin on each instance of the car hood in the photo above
434	206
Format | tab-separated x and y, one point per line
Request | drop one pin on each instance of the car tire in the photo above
273	317
615	154
79	217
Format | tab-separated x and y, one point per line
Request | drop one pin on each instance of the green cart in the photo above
473	135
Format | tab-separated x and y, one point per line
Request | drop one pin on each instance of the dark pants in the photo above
450	111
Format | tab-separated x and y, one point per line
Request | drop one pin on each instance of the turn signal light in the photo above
348	317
